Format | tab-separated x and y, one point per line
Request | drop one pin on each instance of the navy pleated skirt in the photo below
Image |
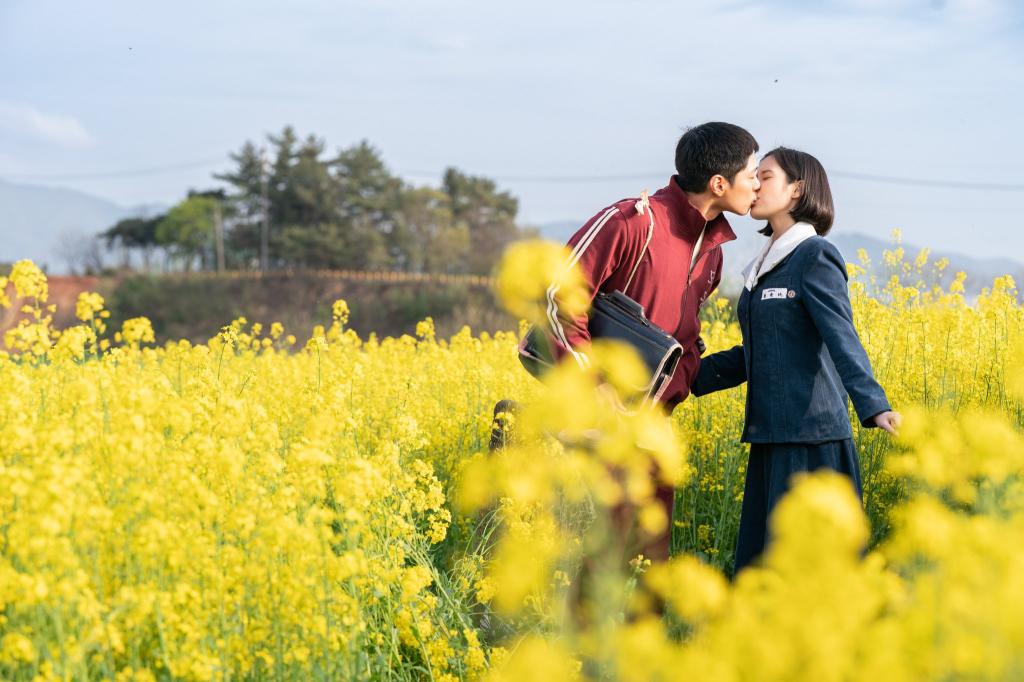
769	472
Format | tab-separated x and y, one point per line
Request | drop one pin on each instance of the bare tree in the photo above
82	253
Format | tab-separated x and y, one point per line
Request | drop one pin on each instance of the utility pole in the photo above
218	233
265	231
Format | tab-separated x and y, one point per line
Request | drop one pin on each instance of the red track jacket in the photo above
606	249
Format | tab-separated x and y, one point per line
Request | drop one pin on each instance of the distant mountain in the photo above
44	223
560	230
980	271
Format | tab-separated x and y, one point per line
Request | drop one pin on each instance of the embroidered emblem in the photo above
773	292
708	288
791	294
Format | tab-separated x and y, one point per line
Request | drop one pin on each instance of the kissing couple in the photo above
801	357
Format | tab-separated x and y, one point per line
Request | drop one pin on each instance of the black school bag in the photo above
617	316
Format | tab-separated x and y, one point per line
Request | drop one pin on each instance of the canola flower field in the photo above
268	507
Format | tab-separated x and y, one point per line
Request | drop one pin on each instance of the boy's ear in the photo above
718	184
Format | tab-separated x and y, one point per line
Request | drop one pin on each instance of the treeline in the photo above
290	204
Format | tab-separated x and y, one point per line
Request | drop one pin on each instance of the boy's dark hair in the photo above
815	203
712	149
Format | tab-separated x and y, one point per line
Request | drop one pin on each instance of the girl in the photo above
800	349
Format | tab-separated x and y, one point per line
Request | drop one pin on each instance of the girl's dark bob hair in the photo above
815	203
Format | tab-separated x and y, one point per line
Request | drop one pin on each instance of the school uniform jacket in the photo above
678	269
800	355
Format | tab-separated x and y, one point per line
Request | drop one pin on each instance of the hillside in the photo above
40	223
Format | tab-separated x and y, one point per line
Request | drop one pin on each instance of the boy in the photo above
667	248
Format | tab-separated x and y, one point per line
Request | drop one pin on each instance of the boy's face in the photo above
737	196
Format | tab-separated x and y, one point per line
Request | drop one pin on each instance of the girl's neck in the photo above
780	224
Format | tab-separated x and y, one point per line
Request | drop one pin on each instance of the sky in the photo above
570	105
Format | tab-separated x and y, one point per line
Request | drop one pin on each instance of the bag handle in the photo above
644	203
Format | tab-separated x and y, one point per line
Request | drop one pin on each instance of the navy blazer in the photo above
800	351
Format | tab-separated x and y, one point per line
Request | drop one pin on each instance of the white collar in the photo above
774	251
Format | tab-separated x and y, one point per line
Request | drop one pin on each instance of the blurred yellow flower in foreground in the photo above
533	273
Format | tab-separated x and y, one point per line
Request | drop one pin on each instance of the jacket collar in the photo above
687	222
775	251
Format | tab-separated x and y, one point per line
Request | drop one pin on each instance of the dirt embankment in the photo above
196	306
63	293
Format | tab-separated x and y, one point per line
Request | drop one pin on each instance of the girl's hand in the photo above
890	421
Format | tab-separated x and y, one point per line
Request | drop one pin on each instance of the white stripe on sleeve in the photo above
581	246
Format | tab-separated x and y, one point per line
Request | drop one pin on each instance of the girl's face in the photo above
777	195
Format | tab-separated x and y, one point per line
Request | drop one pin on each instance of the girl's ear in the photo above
799	191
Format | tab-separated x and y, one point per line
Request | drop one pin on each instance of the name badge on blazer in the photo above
774	292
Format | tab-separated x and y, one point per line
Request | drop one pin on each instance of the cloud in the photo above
58	129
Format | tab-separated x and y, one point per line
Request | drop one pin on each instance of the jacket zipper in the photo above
693	266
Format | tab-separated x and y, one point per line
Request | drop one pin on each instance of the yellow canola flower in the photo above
694	590
137	330
29	281
340	311
74	343
537	659
532	273
16	648
954	454
823	506
5	300
88	305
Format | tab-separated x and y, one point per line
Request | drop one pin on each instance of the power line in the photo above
152	170
917	182
581	179
864	177
552	179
